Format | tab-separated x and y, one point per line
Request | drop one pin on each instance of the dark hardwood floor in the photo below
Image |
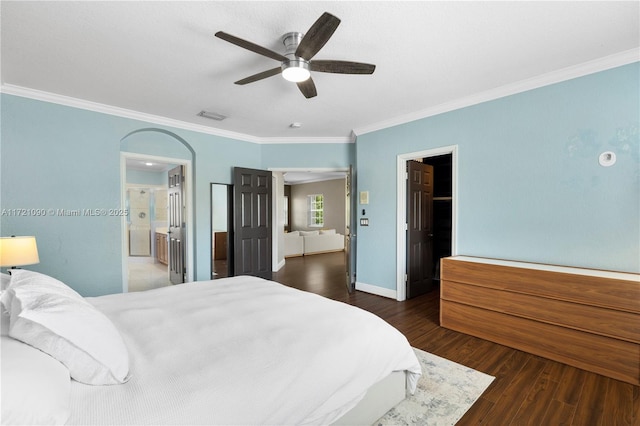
528	390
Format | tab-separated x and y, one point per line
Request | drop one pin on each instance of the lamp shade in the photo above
18	251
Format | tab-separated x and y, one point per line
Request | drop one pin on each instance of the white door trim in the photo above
401	209
188	182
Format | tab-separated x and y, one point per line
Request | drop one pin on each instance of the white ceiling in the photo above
161	58
148	166
299	177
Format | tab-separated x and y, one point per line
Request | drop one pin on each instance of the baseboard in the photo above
279	265
378	291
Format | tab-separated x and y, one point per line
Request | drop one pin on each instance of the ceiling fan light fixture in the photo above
297	61
296	70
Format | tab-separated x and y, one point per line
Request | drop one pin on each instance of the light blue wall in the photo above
62	158
318	155
530	186
58	157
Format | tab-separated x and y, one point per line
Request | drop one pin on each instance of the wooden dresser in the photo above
219	246
585	318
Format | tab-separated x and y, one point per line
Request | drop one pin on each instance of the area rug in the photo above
446	390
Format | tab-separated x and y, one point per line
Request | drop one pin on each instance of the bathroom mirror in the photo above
221	230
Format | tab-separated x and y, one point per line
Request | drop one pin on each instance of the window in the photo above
316	210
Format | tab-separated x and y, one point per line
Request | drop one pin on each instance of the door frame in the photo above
188	182
229	188
401	208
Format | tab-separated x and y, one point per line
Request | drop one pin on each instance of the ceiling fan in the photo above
296	64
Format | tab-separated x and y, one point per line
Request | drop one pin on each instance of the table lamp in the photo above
18	251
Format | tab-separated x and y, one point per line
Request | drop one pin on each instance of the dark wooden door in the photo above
419	228
176	232
252	222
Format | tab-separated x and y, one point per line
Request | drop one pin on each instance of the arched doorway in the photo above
163	150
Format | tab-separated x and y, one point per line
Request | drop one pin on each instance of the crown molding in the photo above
275	141
558	76
55	98
591	67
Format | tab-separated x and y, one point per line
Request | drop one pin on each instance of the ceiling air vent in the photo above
212	115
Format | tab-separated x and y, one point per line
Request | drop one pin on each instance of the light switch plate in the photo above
364	197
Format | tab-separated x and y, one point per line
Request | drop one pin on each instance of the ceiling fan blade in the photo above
250	46
342	67
260	76
317	36
308	88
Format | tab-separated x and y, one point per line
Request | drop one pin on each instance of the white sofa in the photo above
299	243
322	241
293	244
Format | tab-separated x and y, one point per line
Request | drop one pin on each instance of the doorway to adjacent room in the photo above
335	187
147	251
438	238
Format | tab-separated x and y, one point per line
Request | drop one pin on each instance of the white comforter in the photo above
241	351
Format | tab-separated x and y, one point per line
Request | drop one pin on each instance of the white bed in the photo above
243	350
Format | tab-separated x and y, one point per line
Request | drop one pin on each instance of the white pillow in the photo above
327	232
5	279
67	327
309	233
47	284
293	234
4	322
35	387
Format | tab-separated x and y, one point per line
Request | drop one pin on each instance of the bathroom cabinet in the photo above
162	248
